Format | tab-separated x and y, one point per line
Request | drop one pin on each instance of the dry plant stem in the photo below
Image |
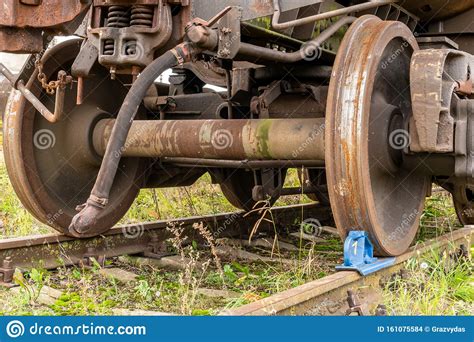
207	235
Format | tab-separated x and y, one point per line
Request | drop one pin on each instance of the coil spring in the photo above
142	16
117	16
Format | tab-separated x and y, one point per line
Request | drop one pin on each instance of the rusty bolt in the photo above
352	299
381	310
7	262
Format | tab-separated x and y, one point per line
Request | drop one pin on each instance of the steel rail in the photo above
53	250
328	295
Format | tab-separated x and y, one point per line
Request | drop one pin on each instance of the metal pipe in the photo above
262	139
322	16
98	199
35	102
306	52
242	164
80	90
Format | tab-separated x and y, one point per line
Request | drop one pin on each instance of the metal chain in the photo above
51	86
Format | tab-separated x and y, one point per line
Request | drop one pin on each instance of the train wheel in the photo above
52	167
463	199
237	188
367	117
315	178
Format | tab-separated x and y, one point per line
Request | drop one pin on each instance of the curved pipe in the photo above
98	198
35	102
307	51
322	16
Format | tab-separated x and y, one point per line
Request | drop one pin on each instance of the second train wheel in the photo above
367	117
53	166
463	199
237	185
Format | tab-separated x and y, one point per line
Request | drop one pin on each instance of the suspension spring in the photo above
142	16
118	17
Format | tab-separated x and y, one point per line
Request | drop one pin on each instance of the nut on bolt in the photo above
7	262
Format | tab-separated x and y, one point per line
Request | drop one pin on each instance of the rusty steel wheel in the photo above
52	167
237	186
366	132
463	199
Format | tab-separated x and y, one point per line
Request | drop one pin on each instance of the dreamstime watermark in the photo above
15	329
311	51
134	49
311	226
393	57
404	227
132	139
222	228
133	231
399	139
222	139
44	139
52	218
317	130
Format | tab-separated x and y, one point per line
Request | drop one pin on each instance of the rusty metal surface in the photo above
20	40
435	76
52	251
301	139
431	10
327	296
48	165
122	40
48	13
251	8
368	188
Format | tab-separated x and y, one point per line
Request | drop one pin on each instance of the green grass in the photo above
435	285
87	292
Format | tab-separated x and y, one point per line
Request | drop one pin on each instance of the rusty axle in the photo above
264	139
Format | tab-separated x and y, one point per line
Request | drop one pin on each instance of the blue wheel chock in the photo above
359	255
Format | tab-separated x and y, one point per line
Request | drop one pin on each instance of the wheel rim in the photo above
369	100
48	171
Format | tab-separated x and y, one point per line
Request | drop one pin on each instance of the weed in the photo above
436	285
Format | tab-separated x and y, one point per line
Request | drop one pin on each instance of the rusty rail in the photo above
328	295
53	250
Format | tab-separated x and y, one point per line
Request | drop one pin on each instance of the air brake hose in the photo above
90	211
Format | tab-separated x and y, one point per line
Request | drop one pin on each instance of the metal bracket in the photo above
229	33
93	253
354	304
359	255
435	76
156	249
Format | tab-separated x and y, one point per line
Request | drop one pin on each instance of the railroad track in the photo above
325	296
55	250
329	295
